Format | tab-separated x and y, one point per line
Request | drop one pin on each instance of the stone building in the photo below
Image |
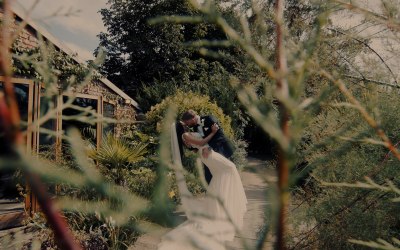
104	98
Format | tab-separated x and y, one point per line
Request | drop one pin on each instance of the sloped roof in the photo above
22	13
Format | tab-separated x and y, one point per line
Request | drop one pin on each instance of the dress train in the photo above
214	219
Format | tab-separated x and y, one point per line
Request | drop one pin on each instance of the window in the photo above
108	112
88	131
23	90
24	96
47	141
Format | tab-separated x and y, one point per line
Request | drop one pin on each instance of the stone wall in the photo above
122	112
27	38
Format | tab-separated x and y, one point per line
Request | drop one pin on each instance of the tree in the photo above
312	100
150	62
140	54
136	51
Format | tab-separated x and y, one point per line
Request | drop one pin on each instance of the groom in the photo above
202	124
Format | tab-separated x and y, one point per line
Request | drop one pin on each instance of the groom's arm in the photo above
211	120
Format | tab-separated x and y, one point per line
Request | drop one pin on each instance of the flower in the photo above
202	122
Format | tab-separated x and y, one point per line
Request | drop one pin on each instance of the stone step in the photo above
11	213
12	220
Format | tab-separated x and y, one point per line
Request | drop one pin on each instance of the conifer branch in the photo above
367	117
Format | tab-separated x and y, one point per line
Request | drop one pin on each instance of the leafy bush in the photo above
185	101
220	91
91	231
116	154
141	181
193	183
338	150
203	106
240	153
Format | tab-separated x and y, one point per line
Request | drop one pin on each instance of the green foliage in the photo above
379	244
151	62
84	190
239	156
158	49
185	101
328	136
141	181
337	144
118	152
91	231
338	151
118	156
212	80
127	161
193	183
64	69
137	52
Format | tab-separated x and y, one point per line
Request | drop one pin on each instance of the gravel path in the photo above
255	188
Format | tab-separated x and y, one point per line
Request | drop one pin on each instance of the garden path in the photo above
255	188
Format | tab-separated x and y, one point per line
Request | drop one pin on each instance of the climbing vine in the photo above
37	62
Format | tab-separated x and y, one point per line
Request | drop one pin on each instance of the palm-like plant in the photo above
116	154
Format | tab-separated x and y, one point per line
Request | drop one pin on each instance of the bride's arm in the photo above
200	142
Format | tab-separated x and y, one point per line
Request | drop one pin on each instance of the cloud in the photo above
86	21
75	15
380	38
83	53
74	22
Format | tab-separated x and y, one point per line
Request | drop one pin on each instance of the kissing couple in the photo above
221	213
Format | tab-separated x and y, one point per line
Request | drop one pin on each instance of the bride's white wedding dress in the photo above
215	218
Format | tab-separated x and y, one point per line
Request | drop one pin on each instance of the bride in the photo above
214	219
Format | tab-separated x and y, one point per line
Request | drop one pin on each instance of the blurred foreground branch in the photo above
11	123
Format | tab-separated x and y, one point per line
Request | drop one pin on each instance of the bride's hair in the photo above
180	130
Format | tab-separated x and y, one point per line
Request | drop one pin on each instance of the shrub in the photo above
185	101
337	151
91	231
220	91
141	181
202	105
193	183
116	154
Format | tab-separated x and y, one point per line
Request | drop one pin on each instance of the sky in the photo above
382	39
79	30
76	23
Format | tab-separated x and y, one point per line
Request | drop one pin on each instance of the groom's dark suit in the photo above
219	143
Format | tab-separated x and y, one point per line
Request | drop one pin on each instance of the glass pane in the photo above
88	131
47	141
8	178
22	96
108	111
